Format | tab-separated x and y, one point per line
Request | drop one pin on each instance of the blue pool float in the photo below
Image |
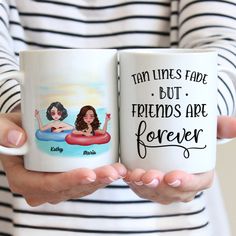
47	135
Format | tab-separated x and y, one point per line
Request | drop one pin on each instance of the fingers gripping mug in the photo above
168	110
69	108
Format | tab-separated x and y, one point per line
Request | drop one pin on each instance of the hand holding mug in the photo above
167	188
38	188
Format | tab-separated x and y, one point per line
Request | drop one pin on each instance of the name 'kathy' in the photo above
56	149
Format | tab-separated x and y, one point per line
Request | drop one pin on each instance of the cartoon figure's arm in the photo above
41	127
80	132
104	129
65	126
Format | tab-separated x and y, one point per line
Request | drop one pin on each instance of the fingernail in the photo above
154	183
14	137
88	180
107	180
139	183
175	184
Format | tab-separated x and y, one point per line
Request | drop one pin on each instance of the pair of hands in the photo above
38	188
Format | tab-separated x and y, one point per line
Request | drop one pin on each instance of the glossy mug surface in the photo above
69	108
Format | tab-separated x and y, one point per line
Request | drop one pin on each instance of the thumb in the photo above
11	134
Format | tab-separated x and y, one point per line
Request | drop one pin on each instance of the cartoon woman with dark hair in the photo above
87	122
56	112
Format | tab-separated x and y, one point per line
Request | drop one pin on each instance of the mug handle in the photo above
232	74
19	76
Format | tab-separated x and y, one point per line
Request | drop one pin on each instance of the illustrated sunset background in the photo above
72	95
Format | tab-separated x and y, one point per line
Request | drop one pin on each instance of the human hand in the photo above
175	186
38	188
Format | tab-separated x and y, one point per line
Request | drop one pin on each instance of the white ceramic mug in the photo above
69	108
168	112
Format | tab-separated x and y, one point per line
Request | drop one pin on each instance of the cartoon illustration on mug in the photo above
57	129
87	131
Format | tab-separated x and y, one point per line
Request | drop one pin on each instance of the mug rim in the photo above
167	51
65	50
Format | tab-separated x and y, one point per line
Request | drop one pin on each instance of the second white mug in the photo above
168	110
